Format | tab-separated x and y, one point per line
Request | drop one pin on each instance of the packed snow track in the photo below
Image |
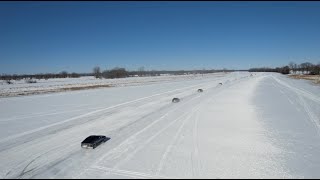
261	126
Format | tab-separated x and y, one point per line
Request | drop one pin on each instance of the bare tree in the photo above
309	67
115	73
318	70
306	67
315	69
303	67
74	75
97	72
295	68
292	66
64	74
141	70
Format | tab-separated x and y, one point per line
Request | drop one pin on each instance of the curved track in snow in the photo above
222	132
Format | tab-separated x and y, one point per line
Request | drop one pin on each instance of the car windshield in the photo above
90	139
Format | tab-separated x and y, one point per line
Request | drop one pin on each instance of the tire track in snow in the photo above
206	82
45	166
127	141
141	146
195	155
312	117
150	125
52	150
45	114
169	147
73	144
56	151
278	87
57	148
151	138
132	174
299	91
91	113
195	142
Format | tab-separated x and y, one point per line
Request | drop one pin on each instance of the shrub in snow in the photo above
31	81
9	82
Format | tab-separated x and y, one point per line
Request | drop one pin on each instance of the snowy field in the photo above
261	126
20	87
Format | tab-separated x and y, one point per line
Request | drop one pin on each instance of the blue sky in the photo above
39	37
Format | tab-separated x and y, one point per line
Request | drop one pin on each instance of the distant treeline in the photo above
122	72
109	74
283	70
63	74
304	68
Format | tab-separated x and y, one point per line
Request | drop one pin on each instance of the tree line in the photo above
304	68
63	74
116	72
282	70
123	73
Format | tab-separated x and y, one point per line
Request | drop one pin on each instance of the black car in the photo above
174	100
93	141
200	90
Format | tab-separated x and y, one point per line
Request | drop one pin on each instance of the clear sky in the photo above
39	37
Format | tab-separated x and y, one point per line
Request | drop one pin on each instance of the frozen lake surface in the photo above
261	126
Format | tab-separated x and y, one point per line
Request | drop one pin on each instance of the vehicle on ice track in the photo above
200	90
93	141
175	100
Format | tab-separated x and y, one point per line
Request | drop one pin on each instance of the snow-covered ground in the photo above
261	126
21	87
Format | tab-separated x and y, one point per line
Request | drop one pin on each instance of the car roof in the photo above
92	138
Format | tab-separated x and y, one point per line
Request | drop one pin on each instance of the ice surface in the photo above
261	126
